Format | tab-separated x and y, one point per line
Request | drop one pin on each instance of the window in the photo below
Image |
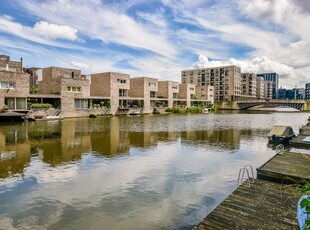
152	94
67	75
81	103
123	92
73	89
174	87
16	103
175	95
7	85
122	81
192	89
151	84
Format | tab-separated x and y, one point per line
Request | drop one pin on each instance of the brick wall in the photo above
51	79
21	89
166	89
68	98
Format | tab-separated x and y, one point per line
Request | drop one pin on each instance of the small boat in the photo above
135	113
281	134
12	116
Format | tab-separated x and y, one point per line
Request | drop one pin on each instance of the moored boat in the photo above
13	117
281	134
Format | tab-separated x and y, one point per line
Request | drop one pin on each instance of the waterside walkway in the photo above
266	204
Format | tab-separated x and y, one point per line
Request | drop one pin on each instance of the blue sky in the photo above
160	38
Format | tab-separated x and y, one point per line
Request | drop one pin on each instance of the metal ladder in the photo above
249	179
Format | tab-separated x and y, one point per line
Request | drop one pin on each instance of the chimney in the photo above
21	65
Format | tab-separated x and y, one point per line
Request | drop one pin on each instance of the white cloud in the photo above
104	23
265	10
83	66
42	32
174	34
54	31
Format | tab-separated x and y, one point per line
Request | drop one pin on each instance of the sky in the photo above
160	38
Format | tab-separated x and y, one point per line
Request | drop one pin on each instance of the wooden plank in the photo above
289	168
265	205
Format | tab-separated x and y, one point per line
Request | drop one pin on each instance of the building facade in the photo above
268	89
72	94
114	87
14	84
274	78
307	91
146	88
249	85
169	90
226	80
260	88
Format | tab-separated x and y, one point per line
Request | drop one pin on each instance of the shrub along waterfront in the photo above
193	109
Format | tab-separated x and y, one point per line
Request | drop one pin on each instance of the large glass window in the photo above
81	103
16	103
21	103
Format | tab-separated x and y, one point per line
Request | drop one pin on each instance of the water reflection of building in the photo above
226	139
111	142
15	152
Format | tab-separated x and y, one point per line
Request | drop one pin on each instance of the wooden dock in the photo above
266	204
289	168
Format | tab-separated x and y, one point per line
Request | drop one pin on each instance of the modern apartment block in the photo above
72	94
65	87
146	89
186	94
249	85
268	89
307	91
169	90
205	92
115	88
274	78
260	88
14	84
226	80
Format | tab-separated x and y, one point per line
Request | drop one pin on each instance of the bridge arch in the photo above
299	105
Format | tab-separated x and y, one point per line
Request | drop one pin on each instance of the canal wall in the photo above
227	105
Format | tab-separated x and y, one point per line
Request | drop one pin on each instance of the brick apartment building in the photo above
226	80
14	84
75	95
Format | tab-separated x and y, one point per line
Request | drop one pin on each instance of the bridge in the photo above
302	105
296	104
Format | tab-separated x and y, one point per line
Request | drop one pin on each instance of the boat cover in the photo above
281	131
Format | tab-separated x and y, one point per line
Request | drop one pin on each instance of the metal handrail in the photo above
243	170
279	149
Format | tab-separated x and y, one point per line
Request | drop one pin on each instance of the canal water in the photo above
139	172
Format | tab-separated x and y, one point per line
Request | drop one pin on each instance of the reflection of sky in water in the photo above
155	180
